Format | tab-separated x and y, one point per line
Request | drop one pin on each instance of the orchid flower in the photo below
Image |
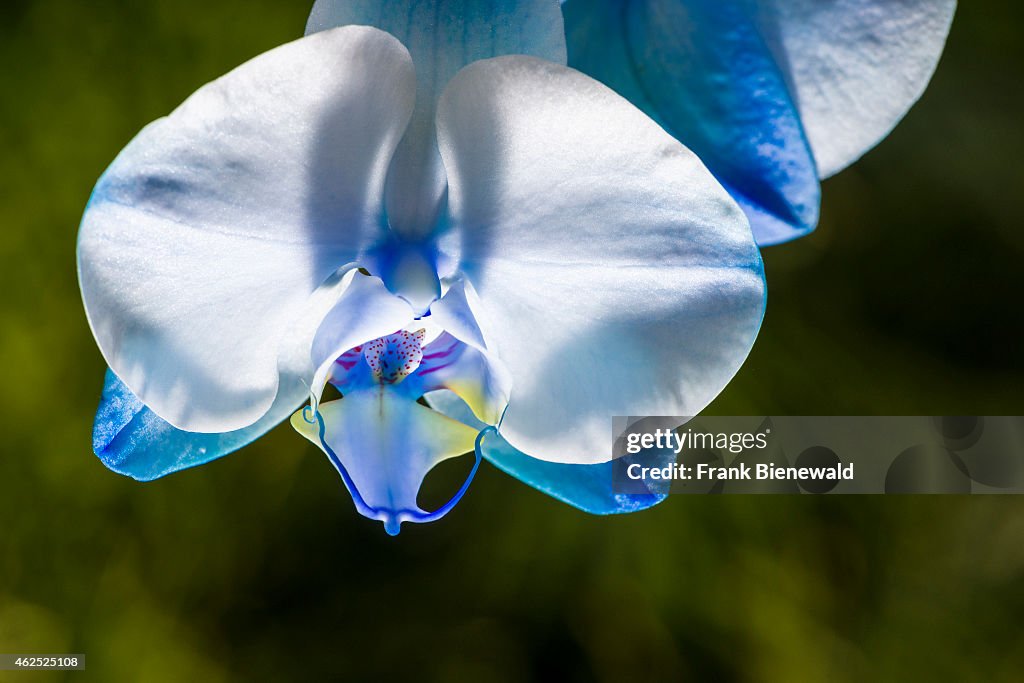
483	254
773	95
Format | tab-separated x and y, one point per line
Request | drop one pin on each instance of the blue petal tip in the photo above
392	525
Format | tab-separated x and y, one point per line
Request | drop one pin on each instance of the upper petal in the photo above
615	276
855	66
442	36
204	240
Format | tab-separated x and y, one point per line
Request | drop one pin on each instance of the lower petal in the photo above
586	487
132	440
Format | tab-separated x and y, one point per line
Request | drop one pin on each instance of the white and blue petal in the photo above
772	94
703	70
615	275
206	238
442	36
747	129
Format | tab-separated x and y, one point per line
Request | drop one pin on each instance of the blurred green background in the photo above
255	567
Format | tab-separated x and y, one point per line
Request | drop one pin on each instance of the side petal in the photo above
855	66
615	276
442	36
132	440
383	445
703	70
214	226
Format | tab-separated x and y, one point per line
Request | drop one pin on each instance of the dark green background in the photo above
256	567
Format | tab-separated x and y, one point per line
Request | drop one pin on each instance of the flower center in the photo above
396	356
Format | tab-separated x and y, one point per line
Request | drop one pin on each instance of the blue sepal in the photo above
132	440
586	487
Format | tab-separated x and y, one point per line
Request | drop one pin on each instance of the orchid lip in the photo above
391	517
377	435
